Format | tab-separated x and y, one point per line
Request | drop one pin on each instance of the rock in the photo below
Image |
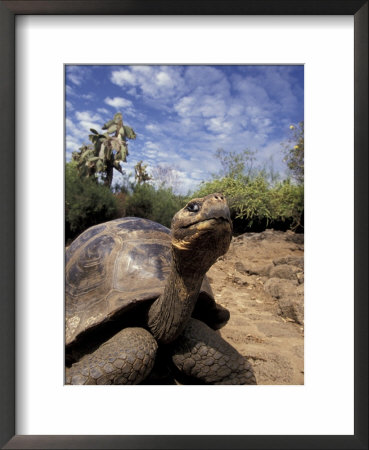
290	296
294	237
278	287
269	234
284	271
300	277
253	269
239	281
293	307
240	267
297	261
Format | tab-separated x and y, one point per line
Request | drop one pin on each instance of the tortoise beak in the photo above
216	208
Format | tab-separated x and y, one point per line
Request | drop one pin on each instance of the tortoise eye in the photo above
193	207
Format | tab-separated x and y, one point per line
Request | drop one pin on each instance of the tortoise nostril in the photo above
218	197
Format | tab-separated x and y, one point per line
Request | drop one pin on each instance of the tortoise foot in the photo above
205	357
127	358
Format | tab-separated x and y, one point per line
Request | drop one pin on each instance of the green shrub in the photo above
158	205
87	203
255	200
287	202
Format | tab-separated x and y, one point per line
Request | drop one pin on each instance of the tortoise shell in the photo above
112	267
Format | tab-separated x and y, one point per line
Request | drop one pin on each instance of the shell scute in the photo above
139	264
82	239
89	270
130	224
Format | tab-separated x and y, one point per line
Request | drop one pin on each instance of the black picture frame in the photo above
8	10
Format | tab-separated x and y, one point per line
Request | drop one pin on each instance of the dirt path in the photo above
260	280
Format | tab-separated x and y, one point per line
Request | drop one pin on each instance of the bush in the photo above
255	201
287	203
87	203
158	205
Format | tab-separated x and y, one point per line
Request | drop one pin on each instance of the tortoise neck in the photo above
169	314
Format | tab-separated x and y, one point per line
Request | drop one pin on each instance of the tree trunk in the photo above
109	176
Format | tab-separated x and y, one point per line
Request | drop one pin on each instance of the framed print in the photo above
38	41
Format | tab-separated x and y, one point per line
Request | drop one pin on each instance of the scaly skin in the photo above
200	353
126	358
200	232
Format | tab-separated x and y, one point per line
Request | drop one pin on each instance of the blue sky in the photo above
183	114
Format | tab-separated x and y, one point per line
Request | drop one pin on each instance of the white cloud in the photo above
76	74
133	92
103	110
151	145
71	127
152	127
219	125
87	96
87	125
252	90
212	106
69	105
236	110
118	102
77	130
72	144
161	83
150	154
261	122
185	106
205	76
69	90
87	116
271	156
73	91
146	70
163	79
74	78
123	77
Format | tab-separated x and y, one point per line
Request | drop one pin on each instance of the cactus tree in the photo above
107	150
141	175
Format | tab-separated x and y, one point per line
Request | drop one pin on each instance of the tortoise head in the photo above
201	232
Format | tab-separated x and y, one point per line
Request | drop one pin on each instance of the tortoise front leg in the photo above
126	358
202	354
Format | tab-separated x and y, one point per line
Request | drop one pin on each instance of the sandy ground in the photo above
266	324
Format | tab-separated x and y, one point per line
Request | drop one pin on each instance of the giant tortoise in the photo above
136	290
